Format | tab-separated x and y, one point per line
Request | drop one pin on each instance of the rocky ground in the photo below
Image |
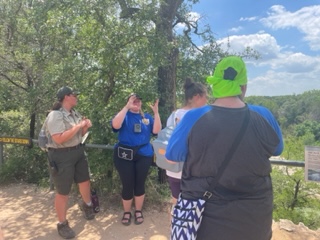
26	212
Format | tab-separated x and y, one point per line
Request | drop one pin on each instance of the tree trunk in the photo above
167	72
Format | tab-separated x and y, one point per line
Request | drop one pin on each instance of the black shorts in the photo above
174	184
68	167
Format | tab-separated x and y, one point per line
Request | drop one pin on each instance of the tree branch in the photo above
11	81
189	25
126	12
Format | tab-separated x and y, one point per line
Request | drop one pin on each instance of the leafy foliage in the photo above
294	198
32	167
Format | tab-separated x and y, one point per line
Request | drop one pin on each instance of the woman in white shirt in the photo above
195	95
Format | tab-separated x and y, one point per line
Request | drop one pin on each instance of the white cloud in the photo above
289	73
264	43
295	63
248	19
306	20
193	16
279	71
235	29
282	69
275	83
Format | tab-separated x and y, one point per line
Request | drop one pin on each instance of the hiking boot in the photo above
88	212
65	231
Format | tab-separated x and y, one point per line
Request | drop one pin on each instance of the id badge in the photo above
137	127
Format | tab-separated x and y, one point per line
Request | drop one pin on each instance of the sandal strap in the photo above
126	218
137	218
138	211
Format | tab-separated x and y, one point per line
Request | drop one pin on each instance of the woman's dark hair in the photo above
191	89
56	106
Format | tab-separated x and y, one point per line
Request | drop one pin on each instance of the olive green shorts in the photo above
68	167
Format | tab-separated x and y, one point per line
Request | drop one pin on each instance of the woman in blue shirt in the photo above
133	154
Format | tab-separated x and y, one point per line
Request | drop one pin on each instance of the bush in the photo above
295	199
31	168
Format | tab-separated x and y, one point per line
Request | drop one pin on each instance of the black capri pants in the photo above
133	174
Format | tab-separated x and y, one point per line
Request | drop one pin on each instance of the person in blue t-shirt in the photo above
133	154
242	202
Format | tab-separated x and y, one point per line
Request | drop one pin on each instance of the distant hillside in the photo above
291	109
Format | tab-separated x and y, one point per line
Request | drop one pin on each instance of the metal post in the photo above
290	163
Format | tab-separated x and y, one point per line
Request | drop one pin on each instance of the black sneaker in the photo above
65	231
88	212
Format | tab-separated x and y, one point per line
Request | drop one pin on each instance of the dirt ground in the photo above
26	212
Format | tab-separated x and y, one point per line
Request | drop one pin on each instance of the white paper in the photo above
84	137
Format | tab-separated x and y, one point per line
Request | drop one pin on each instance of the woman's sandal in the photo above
125	219
138	215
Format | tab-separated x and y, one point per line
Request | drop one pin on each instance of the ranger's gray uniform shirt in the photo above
60	121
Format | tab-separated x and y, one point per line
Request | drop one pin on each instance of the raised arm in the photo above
157	122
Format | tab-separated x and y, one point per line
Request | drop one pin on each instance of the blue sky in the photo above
285	32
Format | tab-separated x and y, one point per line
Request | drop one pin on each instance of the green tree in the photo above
294	198
91	46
